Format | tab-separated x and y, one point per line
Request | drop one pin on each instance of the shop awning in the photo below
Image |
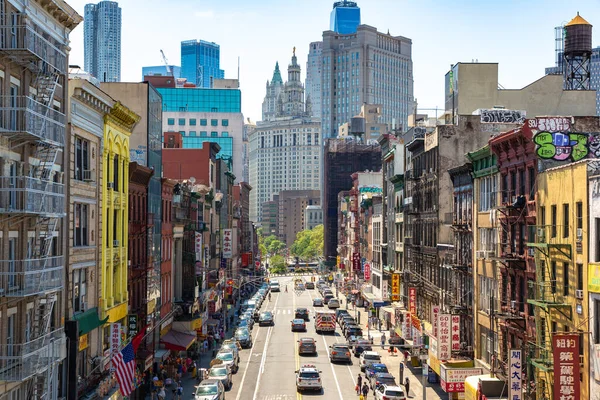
89	320
177	341
388	309
370	297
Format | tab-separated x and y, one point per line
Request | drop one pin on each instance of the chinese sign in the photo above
406	327
555	140
356	262
516	373
384	290
367	271
395	287
435	311
412	300
453	379
198	246
227	243
455	332
206	255
444	336
566	366
132	324
115	338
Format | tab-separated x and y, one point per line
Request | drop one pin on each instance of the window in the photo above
487	193
224	134
579	276
82	362
80	234
505	189
202	122
192	133
214	122
192	121
171	121
531	172
579	215
565	279
522	182
116	173
488	287
565	220
224	122
553	277
214	134
203	134
82	159
553	221
10	335
79	289
596	321
181	121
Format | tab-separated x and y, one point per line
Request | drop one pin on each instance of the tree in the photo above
276	246
309	243
277	264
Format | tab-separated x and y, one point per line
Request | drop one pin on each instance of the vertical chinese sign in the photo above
227	243
395	287
115	338
199	252
406	327
455	332
132	324
566	366
356	262
412	300
444	338
367	271
435	311
516	373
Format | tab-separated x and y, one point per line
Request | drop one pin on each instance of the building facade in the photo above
286	99
162	70
345	17
292	217
200	62
366	66
313	216
34	230
102	40
313	78
88	106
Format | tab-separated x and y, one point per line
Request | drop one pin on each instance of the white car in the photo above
333	304
367	358
229	360
308	378
383	392
210	389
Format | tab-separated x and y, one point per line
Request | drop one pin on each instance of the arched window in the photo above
116	172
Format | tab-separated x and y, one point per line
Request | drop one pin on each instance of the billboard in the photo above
395	287
566	366
227	243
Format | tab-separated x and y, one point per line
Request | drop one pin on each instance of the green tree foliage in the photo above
309	244
277	264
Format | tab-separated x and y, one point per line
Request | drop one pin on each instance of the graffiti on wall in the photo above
555	141
500	116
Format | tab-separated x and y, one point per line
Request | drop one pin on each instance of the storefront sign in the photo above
246	259
227	243
206	255
406	327
455	332
367	271
356	262
434	362
384	290
115	338
198	246
395	287
132	324
516	373
444	338
566	366
83	342
435	311
594	277
412	300
167	322
196	324
452	380
148	362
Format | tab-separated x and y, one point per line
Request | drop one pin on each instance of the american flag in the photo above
124	364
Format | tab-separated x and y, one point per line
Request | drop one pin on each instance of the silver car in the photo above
223	374
210	389
340	352
229	360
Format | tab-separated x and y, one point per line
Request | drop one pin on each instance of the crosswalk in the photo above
278	397
284	311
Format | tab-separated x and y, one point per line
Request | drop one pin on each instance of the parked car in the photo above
384	392
382	378
327	297
244	337
340	352
210	389
367	358
233	348
234	341
307	346
361	345
229	360
375	368
353	330
302	313
223	374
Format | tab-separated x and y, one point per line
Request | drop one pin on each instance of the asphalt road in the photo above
267	370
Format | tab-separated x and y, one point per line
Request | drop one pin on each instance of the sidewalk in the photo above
434	390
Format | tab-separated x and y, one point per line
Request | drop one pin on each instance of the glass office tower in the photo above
200	62
345	17
102	40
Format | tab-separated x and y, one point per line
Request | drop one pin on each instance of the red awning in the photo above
177	341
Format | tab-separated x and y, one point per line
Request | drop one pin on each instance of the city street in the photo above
267	369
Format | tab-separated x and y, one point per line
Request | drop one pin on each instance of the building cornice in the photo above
123	116
88	97
62	12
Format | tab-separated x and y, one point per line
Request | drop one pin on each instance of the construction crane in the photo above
169	69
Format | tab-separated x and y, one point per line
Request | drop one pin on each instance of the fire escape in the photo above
33	196
547	299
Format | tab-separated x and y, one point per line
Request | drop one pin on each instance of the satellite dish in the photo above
192	180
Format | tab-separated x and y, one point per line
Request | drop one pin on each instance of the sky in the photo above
519	35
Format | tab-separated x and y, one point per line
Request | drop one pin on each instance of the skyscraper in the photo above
345	17
365	67
102	40
200	62
313	77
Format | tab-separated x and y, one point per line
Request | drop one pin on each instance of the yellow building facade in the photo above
118	125
560	293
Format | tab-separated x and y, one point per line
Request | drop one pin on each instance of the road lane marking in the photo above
248	362
296	353
264	357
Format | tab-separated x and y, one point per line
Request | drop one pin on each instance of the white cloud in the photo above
204	14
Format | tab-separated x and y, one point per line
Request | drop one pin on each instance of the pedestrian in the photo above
383	342
407	386
358	383
205	345
365	390
162	394
179	390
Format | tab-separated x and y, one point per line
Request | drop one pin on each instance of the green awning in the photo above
89	320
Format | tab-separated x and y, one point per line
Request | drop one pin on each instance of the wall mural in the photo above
502	116
555	141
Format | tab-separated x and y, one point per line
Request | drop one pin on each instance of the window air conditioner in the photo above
115	243
579	234
579	294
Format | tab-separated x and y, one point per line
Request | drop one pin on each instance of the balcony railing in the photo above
21	361
19	278
26	195
24	42
23	117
